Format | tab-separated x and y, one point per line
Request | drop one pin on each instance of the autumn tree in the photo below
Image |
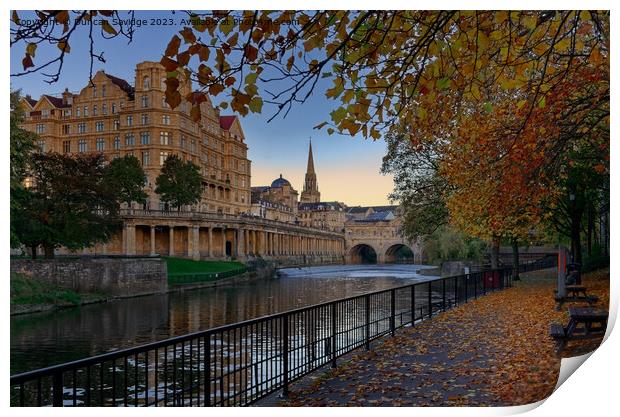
67	205
126	177
179	182
22	144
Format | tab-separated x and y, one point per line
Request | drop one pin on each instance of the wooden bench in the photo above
577	295
584	323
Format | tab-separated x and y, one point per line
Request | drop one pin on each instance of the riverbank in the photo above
493	351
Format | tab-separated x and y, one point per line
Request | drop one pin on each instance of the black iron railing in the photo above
235	365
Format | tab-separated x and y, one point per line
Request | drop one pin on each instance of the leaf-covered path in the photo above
491	351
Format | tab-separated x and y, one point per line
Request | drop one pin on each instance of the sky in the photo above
347	168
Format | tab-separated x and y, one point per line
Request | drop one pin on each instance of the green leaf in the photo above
443	83
488	107
256	105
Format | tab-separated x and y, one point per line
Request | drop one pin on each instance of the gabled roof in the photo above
124	85
32	102
55	101
227	121
357	209
385	208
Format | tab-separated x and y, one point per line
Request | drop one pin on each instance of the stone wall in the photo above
121	277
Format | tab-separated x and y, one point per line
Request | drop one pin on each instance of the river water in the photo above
44	339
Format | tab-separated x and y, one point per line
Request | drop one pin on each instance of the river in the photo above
44	339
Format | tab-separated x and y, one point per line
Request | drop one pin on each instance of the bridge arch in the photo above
399	253
362	254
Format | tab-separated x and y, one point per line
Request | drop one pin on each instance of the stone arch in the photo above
399	253
362	254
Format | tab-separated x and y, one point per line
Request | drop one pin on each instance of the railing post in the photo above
367	299
443	294
334	333
456	292
285	355
413	305
207	362
393	312
466	279
476	285
57	389
430	301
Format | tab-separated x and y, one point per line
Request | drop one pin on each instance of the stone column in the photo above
224	241
171	238
131	239
240	242
193	244
152	241
210	229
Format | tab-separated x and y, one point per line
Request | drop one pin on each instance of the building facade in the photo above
113	117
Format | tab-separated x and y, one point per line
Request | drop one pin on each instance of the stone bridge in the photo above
378	242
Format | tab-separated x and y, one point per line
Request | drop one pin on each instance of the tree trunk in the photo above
49	251
590	227
575	237
515	260
495	241
33	251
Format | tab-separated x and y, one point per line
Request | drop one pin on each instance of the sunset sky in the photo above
347	168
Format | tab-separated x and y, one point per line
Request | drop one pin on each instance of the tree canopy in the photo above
126	176
179	182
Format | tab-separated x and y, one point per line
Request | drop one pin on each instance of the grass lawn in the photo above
188	266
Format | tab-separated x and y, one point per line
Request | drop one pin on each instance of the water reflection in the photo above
45	339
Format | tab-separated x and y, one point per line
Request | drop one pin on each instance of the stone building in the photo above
112	116
275	202
329	215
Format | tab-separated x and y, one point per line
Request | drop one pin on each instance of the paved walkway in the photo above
491	351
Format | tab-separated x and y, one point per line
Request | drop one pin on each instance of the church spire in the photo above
310	193
310	168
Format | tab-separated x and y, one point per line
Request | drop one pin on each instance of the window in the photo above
165	119
85	111
103	90
81	127
193	148
145	119
162	157
117	142
130	139
182	144
129	120
145	158
145	138
82	146
164	138
113	108
146	83
40	128
104	109
41	145
77	112
66	146
95	110
99	126
101	144
45	113
163	103
145	101
117	124
66	129
94	91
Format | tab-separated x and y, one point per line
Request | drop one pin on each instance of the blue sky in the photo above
347	168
